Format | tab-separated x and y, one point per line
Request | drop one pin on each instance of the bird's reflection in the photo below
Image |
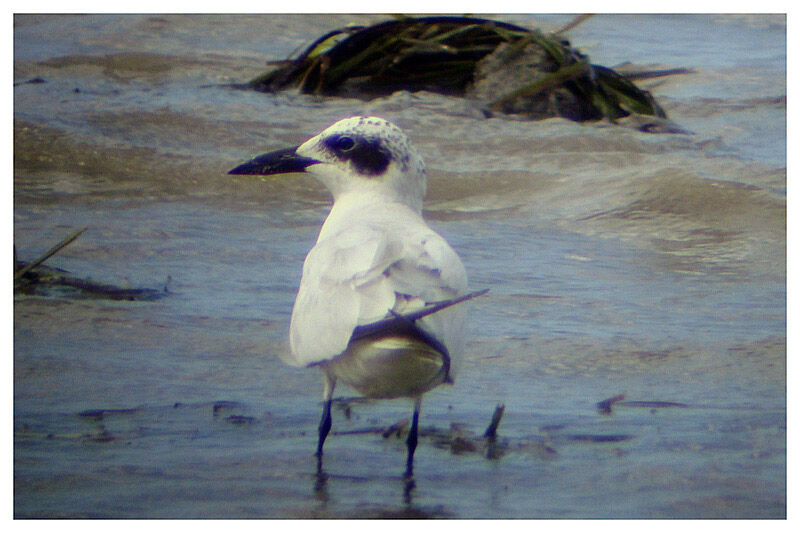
407	510
321	486
408	490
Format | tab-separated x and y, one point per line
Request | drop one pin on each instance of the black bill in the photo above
278	162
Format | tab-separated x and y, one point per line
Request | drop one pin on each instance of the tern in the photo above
376	307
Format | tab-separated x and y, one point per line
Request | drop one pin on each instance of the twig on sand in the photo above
491	431
38	278
48	254
571	24
397	427
661	73
605	406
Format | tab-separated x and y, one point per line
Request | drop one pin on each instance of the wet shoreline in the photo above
619	263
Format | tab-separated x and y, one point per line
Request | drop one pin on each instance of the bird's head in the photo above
354	154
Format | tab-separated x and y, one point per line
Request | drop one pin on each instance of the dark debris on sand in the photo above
503	68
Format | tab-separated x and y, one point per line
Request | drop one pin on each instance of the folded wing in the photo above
360	274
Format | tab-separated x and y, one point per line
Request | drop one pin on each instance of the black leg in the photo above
411	442
324	426
325	422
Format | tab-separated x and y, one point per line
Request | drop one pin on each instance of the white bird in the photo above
374	307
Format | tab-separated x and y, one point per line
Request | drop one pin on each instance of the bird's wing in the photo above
358	275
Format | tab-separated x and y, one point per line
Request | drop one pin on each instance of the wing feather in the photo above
357	275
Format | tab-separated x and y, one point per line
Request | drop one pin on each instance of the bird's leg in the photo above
411	442
325	422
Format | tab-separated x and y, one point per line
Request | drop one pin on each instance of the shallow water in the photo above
619	262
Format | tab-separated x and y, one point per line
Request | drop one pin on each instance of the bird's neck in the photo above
382	194
364	206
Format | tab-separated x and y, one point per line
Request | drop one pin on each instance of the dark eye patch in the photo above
368	156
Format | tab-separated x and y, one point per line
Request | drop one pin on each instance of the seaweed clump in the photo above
504	68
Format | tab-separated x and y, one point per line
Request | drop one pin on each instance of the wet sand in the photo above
619	263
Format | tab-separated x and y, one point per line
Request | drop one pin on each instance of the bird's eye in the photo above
344	143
